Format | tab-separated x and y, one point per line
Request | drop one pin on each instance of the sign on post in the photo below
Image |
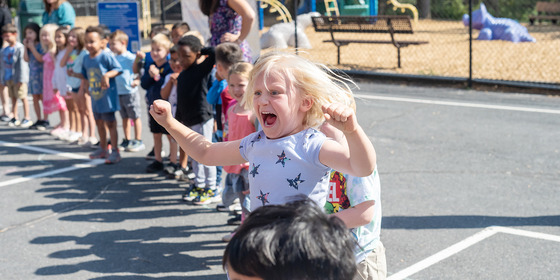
124	16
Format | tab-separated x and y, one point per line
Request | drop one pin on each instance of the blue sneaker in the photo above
208	196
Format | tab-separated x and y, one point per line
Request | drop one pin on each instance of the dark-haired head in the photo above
33	27
192	42
292	241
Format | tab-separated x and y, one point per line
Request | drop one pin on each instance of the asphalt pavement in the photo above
470	189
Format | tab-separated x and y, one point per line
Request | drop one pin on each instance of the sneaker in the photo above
135	146
5	118
222	208
207	197
65	135
99	153
192	193
151	155
92	143
114	157
13	122
34	126
124	144
185	174
154	167
58	132
235	220
26	123
227	237
170	169
83	141
42	125
74	136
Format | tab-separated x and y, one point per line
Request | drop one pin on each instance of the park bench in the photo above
546	11
366	24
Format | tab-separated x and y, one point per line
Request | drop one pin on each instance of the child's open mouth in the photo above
268	118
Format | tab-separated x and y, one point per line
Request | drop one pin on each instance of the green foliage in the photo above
448	9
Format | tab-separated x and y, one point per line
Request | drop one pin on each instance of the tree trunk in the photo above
424	9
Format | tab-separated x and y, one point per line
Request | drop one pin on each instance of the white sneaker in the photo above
92	142
73	136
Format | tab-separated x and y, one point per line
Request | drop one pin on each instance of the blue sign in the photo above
124	16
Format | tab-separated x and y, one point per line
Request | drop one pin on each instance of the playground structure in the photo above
331	7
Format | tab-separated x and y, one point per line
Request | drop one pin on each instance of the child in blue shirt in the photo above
127	87
14	74
100	69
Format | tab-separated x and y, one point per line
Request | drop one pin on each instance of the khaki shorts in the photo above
374	267
15	92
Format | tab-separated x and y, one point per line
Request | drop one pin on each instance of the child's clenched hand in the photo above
341	116
161	112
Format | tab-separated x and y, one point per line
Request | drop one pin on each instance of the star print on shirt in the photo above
295	182
263	197
255	170
256	140
282	158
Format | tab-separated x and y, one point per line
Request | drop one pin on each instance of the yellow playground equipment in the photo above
274	6
331	6
397	5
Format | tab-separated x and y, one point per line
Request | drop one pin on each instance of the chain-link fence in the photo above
447	53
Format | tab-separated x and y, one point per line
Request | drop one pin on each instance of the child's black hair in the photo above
182	25
296	240
173	50
33	27
192	42
159	29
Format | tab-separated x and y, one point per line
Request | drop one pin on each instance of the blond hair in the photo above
162	40
50	29
314	81
120	36
242	69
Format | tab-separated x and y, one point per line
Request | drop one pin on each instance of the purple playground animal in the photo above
492	28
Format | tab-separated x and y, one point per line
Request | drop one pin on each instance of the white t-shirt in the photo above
281	169
172	99
60	75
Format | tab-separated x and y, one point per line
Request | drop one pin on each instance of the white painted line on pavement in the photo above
459	104
527	233
467	242
443	254
92	163
42	150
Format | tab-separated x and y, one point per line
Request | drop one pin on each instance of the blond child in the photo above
151	81
291	97
127	88
52	101
241	123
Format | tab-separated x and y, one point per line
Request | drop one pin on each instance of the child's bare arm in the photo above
25	55
357	157
66	56
359	215
194	144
